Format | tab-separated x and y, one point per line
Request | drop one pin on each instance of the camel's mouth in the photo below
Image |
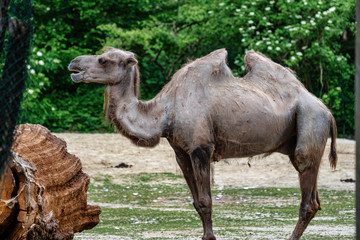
76	77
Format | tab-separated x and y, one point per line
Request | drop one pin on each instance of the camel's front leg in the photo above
200	159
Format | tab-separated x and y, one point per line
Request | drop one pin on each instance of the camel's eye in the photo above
102	61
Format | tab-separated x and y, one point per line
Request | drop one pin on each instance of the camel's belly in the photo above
252	135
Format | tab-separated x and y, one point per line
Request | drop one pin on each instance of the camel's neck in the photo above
142	122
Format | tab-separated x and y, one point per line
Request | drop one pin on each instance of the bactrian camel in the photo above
207	114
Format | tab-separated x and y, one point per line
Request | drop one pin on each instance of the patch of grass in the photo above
138	191
158	206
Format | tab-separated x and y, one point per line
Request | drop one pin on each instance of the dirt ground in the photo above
99	153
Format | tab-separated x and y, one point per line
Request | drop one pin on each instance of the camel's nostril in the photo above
74	66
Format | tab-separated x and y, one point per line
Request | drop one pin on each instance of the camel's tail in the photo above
333	154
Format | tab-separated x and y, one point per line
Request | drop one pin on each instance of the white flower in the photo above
41	62
28	66
253	3
243	40
32	71
53	109
272	2
243	6
267	9
250	21
329	21
210	12
304	47
264	18
288	44
277	49
268	24
39	54
221	4
30	91
316	44
269	47
338	59
41	84
56	60
312	22
241	29
293	58
298	16
268	43
258	43
327	28
54	19
238	10
332	9
269	31
303	22
251	13
299	53
47	9
288	1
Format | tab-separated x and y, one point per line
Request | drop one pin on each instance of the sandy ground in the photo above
99	153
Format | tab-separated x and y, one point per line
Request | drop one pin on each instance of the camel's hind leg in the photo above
310	201
312	132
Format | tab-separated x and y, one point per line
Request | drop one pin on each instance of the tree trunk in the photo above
43	189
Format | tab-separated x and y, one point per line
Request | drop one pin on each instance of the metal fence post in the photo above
357	118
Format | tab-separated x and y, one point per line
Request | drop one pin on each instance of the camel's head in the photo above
107	68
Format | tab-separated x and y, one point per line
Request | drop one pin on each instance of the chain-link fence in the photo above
15	33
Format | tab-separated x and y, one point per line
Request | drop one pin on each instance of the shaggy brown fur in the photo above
207	114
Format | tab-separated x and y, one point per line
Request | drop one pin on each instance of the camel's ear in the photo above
130	61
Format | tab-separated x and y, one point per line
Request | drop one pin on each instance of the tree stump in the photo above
43	189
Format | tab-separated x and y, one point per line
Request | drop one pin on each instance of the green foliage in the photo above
314	38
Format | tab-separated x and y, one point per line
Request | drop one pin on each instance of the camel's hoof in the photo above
209	237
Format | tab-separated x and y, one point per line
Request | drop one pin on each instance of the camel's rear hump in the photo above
266	69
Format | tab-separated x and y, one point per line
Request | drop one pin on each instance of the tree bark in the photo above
43	189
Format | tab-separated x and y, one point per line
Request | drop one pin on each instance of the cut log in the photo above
44	190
